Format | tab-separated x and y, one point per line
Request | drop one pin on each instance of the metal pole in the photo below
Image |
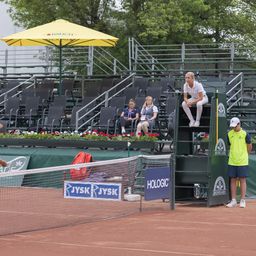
153	66
77	121
90	60
130	54
172	183
114	67
242	88
106	99
47	57
135	58
183	50
6	63
60	71
82	85
217	117
232	56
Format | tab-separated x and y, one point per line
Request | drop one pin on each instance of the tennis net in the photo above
34	199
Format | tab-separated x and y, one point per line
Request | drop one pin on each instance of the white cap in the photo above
234	122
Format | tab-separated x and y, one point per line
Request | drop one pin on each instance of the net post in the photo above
172	176
140	203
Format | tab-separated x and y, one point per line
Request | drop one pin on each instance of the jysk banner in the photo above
91	190
157	183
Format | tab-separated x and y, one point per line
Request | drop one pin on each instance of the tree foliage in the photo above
90	13
149	21
194	21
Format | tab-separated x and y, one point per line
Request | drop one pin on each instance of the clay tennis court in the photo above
189	230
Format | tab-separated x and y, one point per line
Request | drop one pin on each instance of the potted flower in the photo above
82	140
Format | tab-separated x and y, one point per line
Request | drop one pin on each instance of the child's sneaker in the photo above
242	203
232	204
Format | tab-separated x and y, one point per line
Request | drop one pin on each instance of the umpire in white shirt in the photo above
198	97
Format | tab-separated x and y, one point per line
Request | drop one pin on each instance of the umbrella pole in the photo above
60	71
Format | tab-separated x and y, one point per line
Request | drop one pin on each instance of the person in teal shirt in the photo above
238	162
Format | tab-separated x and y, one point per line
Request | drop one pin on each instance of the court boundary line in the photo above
110	247
211	223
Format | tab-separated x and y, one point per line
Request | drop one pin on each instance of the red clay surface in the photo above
187	231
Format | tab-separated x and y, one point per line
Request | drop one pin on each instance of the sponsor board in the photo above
157	183
92	190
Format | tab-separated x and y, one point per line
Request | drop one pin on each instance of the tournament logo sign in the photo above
220	148
14	163
221	110
219	187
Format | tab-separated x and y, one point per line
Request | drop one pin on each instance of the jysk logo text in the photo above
88	190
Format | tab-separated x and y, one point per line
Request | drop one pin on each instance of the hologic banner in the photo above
157	183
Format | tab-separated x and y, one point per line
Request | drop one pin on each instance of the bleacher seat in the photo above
130	93
107	120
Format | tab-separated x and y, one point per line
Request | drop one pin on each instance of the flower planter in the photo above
52	143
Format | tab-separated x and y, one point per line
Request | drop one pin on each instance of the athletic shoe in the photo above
232	203
191	123
123	131
242	203
196	124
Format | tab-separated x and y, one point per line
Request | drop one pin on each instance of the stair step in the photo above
180	171
194	142
194	128
192	186
192	156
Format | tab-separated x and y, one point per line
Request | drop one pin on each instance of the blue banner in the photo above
157	183
91	190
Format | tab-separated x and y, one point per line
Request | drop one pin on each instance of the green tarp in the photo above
46	157
251	180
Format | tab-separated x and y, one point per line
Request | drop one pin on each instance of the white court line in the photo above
44	214
206	223
114	248
63	215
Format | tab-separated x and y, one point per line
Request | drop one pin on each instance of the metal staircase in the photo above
86	61
241	105
17	90
228	58
92	109
142	61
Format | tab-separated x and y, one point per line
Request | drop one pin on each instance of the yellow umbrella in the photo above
60	33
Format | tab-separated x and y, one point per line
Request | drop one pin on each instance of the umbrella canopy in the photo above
60	33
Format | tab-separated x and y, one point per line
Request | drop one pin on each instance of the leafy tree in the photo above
229	20
90	13
149	21
171	21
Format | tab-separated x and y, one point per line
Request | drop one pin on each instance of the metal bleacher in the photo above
93	79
